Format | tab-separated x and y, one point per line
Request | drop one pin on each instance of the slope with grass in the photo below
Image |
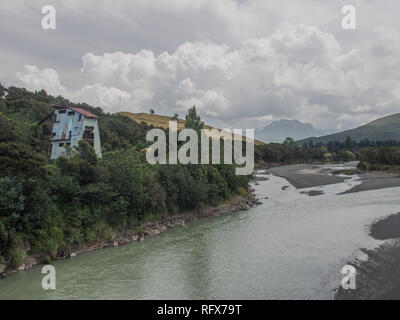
162	122
386	128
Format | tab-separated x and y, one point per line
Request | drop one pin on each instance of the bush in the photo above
17	257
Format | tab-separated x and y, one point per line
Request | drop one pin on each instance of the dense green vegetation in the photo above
55	205
373	155
380	158
289	152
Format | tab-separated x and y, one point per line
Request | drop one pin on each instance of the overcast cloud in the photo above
242	63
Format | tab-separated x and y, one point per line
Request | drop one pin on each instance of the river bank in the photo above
306	175
149	229
311	175
378	269
378	274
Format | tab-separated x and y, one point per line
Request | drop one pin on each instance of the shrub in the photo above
17	257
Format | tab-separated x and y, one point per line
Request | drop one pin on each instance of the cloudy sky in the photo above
242	63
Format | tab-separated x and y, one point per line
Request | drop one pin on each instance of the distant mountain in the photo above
278	131
386	128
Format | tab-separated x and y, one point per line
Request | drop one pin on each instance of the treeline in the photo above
351	145
286	152
55	205
367	151
380	158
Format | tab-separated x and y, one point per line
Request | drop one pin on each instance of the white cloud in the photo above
36	79
247	71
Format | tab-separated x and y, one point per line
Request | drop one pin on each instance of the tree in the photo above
176	116
193	120
2	90
152	111
348	144
290	142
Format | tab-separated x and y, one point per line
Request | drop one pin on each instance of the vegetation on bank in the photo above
380	159
51	206
373	155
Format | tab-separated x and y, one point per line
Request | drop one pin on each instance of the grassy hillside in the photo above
162	121
386	128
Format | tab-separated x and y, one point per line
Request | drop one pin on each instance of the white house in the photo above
71	125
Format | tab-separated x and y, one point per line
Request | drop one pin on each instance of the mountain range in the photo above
385	128
278	131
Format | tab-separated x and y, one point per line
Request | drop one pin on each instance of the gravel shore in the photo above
378	277
308	175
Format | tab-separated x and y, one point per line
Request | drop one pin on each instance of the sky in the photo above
242	63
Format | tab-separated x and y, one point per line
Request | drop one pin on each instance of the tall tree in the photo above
193	120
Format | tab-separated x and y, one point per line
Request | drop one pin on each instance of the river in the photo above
292	246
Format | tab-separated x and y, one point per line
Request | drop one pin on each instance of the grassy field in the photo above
162	121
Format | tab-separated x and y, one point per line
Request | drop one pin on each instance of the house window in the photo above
71	113
54	134
70	133
89	128
62	111
68	143
80	117
61	144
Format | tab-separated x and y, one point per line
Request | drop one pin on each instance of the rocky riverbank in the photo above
125	236
378	276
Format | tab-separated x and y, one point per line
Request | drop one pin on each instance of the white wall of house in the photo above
68	129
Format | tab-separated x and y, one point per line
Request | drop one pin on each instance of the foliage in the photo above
193	121
57	204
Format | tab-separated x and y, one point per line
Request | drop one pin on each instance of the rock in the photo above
3	267
72	254
26	246
135	237
115	243
30	260
245	207
28	266
21	267
123	241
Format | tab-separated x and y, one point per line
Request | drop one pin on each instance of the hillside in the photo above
162	121
386	128
278	131
50	207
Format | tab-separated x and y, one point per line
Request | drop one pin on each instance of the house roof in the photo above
84	112
79	110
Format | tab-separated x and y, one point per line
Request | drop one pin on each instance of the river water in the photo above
293	246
